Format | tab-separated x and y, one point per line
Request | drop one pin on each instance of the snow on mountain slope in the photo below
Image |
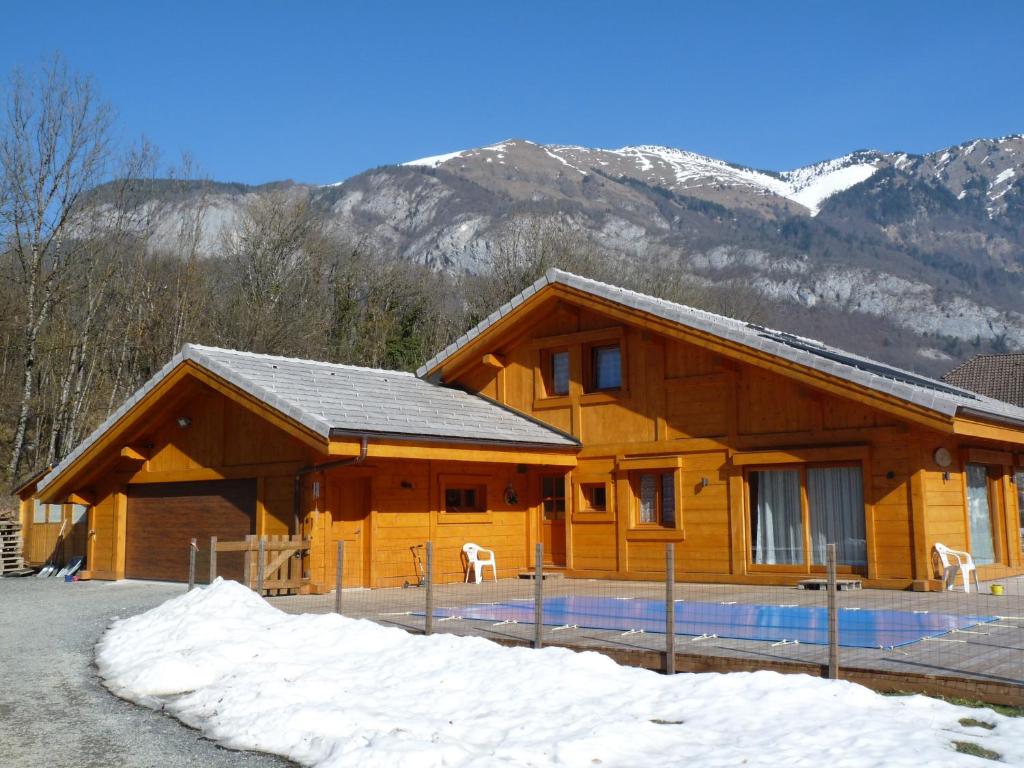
680	170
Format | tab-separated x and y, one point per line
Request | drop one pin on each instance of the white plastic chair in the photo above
476	561
953	562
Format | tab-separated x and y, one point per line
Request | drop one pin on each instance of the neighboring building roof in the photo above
913	388
997	376
331	400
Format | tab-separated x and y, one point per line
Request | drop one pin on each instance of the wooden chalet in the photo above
599	421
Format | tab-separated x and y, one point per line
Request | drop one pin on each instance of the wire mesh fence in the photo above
666	619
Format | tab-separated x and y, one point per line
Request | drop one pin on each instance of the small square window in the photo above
595	496
606	372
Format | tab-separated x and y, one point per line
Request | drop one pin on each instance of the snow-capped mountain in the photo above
682	171
915	259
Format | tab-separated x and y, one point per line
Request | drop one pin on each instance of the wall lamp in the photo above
184	422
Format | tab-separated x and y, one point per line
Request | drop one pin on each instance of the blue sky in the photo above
259	91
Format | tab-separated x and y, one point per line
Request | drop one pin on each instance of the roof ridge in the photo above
284	358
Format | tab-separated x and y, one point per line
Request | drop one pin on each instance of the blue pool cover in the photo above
773	623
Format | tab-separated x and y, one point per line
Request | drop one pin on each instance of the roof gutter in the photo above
297	493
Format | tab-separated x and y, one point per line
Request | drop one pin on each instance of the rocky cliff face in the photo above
916	259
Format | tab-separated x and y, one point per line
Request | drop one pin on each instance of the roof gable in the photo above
912	388
329	399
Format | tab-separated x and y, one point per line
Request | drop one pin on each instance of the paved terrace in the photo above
985	661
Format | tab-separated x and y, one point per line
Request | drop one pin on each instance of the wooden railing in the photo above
271	565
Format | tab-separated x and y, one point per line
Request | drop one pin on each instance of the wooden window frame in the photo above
660	473
807	567
589	357
479	483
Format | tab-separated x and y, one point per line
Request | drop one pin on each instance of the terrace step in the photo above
549	573
842	585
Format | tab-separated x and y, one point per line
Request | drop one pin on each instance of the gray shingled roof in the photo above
913	388
332	399
998	376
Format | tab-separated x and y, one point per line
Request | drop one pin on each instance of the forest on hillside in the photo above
89	309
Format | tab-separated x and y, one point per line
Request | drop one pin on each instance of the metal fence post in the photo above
261	563
338	576
192	564
428	616
833	615
670	609
213	558
538	595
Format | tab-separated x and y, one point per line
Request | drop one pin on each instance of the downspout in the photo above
297	505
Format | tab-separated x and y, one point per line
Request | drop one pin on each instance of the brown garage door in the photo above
163	517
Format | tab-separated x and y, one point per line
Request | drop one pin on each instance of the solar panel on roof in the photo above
868	366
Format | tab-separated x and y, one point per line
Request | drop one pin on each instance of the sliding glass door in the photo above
796	509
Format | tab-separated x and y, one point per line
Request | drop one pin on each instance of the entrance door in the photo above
350	516
552	497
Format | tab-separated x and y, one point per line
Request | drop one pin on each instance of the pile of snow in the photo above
331	691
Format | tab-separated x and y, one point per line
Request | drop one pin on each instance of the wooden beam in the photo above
132	454
492	360
426	450
801	455
85	498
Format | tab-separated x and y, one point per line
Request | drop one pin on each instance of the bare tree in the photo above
54	145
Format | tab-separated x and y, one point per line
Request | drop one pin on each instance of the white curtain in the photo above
779	533
982	547
836	498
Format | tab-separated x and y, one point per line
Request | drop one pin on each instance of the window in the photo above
552	493
471	499
835	496
656	498
39	512
1018	480
834	514
595	496
558	373
979	514
606	367
776	520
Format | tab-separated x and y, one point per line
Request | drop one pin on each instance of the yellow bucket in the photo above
997	589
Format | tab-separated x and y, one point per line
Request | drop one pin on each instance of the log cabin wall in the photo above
403	505
711	420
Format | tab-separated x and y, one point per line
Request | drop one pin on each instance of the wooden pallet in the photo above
10	546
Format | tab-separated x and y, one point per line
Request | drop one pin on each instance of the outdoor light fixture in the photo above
704	482
184	422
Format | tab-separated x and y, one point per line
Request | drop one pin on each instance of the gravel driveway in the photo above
53	709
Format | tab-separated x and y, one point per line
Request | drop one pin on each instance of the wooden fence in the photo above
271	565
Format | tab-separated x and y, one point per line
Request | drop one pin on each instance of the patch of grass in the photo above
970	722
970	748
